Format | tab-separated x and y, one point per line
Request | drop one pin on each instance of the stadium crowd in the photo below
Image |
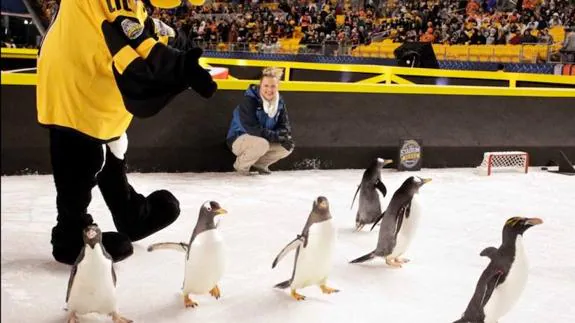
351	23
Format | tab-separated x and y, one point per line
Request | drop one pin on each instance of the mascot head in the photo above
169	4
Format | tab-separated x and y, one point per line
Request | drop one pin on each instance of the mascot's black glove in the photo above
285	139
200	79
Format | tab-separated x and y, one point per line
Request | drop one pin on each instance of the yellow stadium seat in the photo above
508	53
440	51
529	54
458	52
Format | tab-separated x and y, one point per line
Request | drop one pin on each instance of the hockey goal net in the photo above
504	160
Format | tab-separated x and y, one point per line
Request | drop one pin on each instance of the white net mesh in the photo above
504	160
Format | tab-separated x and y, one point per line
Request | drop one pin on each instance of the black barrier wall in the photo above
331	130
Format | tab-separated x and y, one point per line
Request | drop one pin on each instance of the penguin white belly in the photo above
408	228
315	260
506	295
206	263
93	289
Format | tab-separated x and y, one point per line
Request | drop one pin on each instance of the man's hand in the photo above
285	139
283	135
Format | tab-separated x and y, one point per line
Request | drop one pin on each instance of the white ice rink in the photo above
464	213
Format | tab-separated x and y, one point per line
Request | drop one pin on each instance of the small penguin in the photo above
369	208
399	224
92	283
205	259
314	249
502	282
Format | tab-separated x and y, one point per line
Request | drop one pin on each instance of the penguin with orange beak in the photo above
205	255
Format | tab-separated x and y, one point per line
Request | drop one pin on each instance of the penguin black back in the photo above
498	269
401	199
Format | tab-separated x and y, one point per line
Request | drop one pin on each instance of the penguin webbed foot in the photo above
328	290
215	292
117	318
402	260
296	296
72	318
188	302
392	262
359	227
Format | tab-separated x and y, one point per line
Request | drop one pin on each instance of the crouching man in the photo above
260	133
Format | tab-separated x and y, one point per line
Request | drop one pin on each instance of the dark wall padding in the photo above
332	130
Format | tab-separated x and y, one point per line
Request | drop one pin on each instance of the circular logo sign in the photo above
410	153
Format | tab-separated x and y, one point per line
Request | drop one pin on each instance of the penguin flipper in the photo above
381	187
354	196
113	275
489	252
71	281
487	283
178	246
284	284
364	258
294	244
377	220
73	273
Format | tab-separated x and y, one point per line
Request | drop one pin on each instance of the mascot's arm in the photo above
163	66
148	88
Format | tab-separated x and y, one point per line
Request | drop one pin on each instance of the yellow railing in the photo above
393	74
382	79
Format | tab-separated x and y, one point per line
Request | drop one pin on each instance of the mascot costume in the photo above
101	63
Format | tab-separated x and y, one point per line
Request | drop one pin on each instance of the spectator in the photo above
260	132
568	49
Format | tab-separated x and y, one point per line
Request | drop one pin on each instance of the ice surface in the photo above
464	213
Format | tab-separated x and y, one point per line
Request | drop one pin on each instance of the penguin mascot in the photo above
92	283
100	64
205	259
314	249
399	224
369	208
502	282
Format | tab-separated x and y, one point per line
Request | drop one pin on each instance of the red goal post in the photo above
504	160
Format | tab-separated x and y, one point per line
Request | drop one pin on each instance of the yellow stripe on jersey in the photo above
124	57
145	47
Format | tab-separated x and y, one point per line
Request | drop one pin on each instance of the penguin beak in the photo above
387	161
426	180
221	211
534	221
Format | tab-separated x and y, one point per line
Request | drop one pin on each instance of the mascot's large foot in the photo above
159	209
67	243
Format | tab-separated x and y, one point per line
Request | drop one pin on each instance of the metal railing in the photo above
524	53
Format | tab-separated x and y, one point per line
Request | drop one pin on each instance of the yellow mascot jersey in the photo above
100	64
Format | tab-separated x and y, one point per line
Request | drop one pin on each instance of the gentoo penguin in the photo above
502	282
313	252
205	260
92	283
369	208
399	223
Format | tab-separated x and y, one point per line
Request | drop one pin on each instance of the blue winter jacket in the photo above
249	117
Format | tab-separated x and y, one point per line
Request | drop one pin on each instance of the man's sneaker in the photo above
260	170
250	172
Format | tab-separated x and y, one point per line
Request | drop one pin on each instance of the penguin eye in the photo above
208	206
